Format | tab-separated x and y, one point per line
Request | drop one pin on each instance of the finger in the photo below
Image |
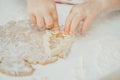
55	19
75	23
48	20
55	16
68	23
40	21
88	22
56	27
33	18
56	24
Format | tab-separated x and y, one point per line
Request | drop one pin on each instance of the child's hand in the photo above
86	13
43	13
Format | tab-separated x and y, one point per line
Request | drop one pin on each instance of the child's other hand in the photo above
86	13
43	13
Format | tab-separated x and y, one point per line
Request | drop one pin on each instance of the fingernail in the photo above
71	33
81	30
63	32
57	31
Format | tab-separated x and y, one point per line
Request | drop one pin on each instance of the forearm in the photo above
107	5
113	4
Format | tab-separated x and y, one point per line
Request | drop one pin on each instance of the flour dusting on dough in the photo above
57	44
22	44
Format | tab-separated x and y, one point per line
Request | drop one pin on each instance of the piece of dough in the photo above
22	44
15	41
15	67
57	44
42	59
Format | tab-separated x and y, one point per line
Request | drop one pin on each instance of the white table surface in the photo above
95	56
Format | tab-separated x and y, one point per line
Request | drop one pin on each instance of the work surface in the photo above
94	56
